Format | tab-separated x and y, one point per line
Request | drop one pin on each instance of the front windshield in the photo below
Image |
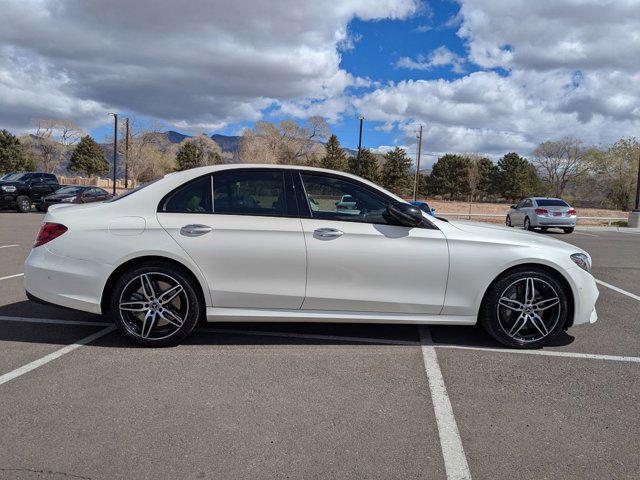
16	177
69	191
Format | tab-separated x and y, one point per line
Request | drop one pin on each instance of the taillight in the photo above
572	212
49	231
541	210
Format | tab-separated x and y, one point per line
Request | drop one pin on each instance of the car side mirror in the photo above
405	214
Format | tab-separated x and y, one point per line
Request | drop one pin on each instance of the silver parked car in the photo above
543	213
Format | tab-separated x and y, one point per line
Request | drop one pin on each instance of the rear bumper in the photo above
555	222
64	281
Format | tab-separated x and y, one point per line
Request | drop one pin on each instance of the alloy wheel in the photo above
153	306
528	310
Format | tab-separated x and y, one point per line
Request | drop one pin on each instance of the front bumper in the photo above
7	201
585	295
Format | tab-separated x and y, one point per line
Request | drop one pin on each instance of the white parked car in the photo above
267	243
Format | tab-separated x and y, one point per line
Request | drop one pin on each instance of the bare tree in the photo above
47	153
65	132
287	142
560	162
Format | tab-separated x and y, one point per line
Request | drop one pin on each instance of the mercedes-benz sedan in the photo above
267	243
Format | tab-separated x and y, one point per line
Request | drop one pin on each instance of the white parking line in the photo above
617	289
546	353
7	246
52	356
455	461
587	234
12	276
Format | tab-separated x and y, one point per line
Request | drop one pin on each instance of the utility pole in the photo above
115	148
126	154
634	216
361	118
415	185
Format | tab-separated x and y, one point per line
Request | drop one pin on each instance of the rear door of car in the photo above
241	227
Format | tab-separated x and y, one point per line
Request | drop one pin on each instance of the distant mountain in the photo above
228	143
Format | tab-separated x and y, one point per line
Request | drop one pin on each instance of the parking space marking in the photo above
52	356
617	289
587	234
455	461
7	246
547	353
4	318
12	276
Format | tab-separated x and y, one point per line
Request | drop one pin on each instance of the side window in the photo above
527	203
331	198
250	193
192	197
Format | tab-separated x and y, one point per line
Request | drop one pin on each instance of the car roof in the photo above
545	198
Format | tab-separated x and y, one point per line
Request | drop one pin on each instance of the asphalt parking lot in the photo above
319	401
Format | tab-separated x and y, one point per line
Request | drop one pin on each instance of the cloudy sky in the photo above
482	76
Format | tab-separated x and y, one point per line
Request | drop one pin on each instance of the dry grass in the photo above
442	206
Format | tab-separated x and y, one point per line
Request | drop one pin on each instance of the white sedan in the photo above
267	243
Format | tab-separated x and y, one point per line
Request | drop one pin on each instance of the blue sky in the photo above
481	76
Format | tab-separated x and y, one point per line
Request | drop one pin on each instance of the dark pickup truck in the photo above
22	190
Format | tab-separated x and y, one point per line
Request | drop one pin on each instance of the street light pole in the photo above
361	118
415	185
634	216
115	148
126	154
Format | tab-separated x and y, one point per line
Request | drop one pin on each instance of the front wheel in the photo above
525	309
155	305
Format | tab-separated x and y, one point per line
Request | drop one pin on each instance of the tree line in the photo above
585	175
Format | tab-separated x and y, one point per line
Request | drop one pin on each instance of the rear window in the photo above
551	202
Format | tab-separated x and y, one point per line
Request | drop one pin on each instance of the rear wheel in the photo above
23	204
527	224
155	305
525	309
507	222
568	230
544	229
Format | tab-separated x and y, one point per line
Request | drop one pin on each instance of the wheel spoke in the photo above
547	303
148	324
171	317
538	323
529	291
520	322
147	286
511	304
137	306
170	294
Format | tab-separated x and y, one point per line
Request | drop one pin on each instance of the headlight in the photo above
68	200
582	260
8	188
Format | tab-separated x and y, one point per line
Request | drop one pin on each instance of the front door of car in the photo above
246	237
517	217
359	260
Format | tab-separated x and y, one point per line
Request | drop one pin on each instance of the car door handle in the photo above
195	230
328	232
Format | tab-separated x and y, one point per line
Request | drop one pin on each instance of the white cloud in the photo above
439	57
569	68
189	63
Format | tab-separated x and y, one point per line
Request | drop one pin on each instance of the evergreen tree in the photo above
396	172
187	156
517	177
88	158
488	183
368	165
450	177
13	157
334	158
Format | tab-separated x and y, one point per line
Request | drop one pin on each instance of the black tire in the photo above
41	208
527	224
568	230
132	323
23	204
544	229
555	315
507	222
